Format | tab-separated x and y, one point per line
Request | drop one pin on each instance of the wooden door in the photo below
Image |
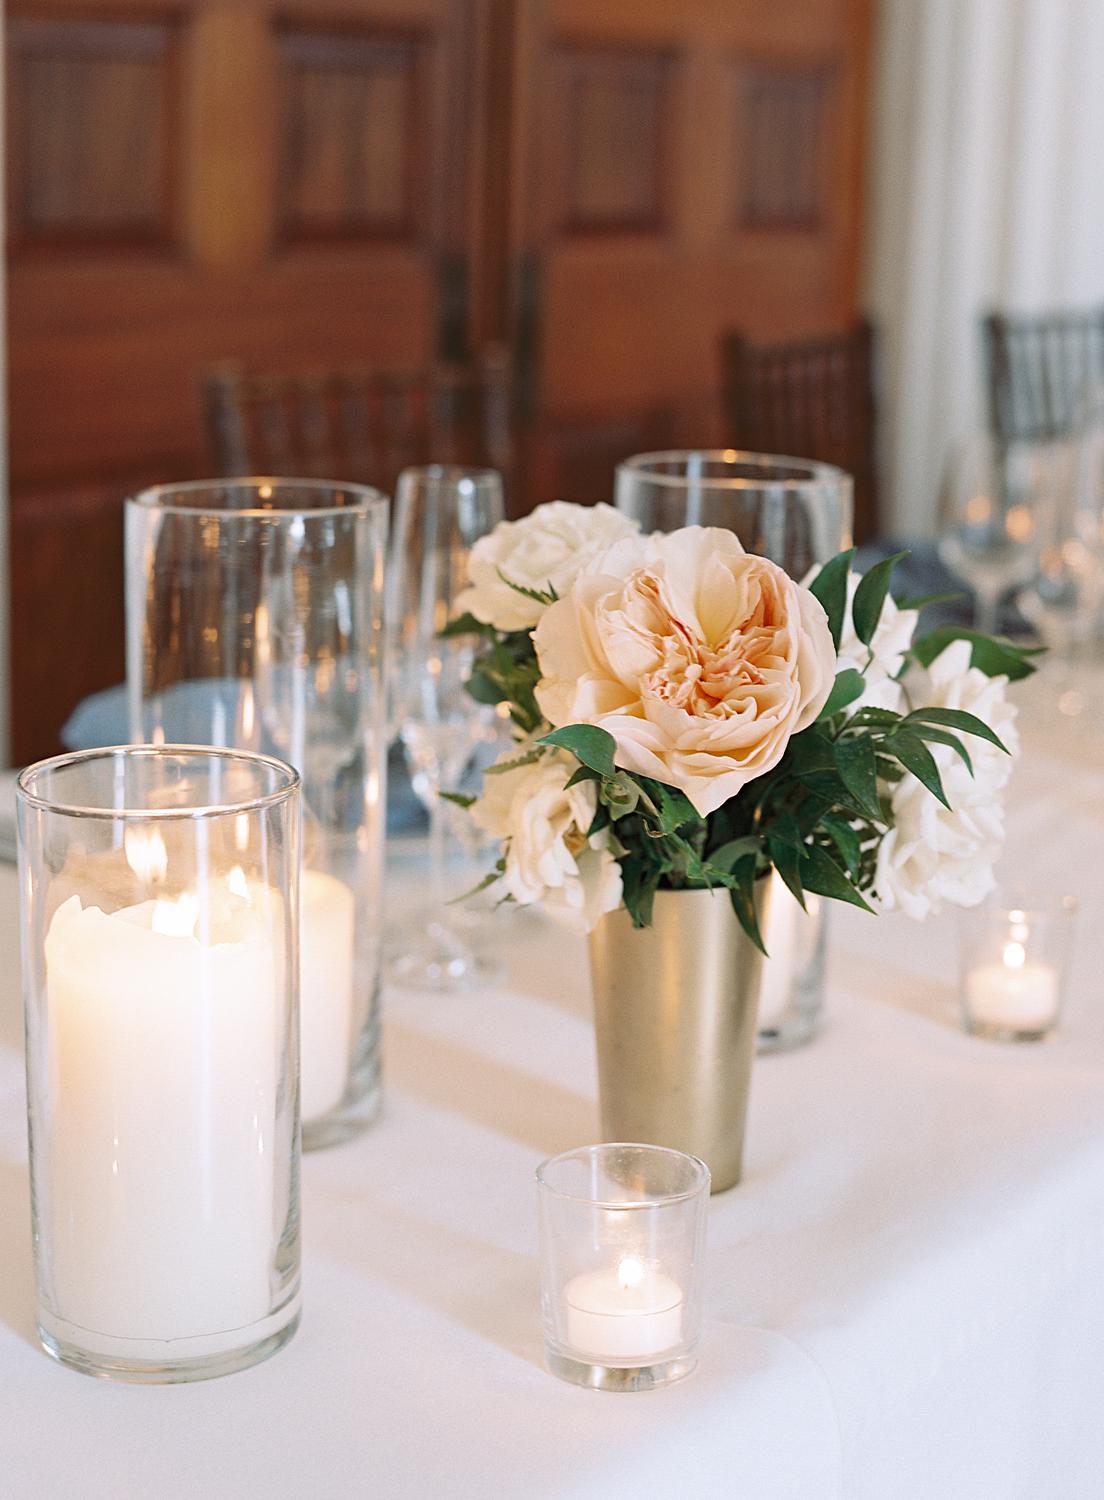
678	170
192	181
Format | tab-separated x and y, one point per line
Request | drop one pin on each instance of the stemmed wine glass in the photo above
989	515
440	512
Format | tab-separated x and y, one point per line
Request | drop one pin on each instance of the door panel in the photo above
681	170
193	184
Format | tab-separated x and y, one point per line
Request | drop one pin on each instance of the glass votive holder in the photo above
1014	956
159	887
622	1232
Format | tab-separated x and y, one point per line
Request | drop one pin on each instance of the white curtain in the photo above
5	676
986	190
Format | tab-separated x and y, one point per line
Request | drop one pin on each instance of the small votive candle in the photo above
622	1240
1013	965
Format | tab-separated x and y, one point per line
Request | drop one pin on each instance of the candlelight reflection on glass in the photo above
1014	958
622	1242
159	966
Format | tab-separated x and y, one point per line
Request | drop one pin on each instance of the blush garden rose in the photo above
690	716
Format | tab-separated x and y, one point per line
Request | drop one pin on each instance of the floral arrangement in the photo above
688	715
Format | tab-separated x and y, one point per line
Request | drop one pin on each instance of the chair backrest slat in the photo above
813	398
1039	371
359	424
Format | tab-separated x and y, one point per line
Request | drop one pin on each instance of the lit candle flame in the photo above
630	1273
146	853
1015	955
237	882
175	918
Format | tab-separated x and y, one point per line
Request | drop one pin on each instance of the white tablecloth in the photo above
905	1296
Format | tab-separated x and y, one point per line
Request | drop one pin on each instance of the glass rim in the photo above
369	501
815	472
23	786
701	1176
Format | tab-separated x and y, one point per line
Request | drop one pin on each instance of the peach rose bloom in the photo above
700	659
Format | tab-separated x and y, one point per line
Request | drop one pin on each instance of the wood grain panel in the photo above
781	146
92	121
353	156
615	104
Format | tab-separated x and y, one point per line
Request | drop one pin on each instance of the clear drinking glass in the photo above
255	620
1014	958
622	1234
158	893
990	510
440	513
794	511
798	514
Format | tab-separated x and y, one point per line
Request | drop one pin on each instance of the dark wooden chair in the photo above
360	425
1039	372
813	398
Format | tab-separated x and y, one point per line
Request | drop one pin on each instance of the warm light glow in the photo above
1015	955
1019	523
146	853
241	832
265	492
630	1273
175	918
237	882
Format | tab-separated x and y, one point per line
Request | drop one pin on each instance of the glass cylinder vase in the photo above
159	894
255	620
798	514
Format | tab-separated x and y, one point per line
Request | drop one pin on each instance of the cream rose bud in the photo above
543	551
543	824
700	659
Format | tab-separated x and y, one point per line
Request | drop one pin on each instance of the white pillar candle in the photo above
628	1312
164	1052
325	990
1015	994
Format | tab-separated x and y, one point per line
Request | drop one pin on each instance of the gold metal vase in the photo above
675	1015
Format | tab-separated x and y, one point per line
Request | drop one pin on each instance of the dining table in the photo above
904	1297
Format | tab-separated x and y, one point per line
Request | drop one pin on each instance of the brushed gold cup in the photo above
675	1014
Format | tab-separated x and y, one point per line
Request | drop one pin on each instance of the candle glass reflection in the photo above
255	620
159	892
622	1242
1014	959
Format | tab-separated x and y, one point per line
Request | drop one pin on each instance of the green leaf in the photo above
457	798
809	751
735	850
514	765
928	732
824	877
846	840
788	860
640	886
915	756
742	896
847	687
592	746
483	688
874	718
870	595
830	588
466	624
600	820
584	773
488	880
855	763
993	656
673	807
957	718
538	596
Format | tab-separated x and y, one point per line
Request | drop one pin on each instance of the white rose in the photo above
543	551
699	659
543	825
882	660
932	855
